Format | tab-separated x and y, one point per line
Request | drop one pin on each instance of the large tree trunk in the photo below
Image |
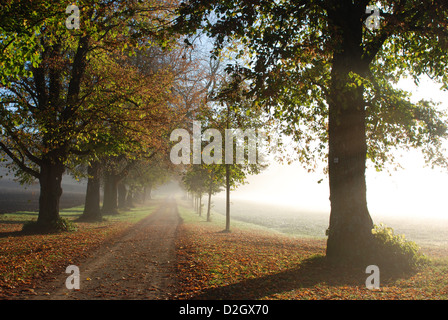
122	195
349	237
92	210
110	198
130	198
50	193
147	192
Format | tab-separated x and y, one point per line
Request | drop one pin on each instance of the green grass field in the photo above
430	234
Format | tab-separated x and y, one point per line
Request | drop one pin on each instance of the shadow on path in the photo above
310	272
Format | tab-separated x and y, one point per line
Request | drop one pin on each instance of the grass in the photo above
256	263
250	262
429	233
292	222
129	215
27	258
218	220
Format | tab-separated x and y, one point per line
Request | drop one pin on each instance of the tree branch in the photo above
19	162
27	153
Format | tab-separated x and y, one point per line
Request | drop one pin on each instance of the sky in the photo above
415	190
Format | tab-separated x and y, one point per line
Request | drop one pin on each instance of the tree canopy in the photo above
112	88
68	96
331	80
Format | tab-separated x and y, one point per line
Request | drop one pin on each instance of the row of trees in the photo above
111	91
104	96
124	182
227	110
329	80
101	100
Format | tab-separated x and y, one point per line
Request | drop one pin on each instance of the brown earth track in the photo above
140	265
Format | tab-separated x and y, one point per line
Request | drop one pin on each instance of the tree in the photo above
146	175
195	180
130	101
320	70
230	110
44	115
92	211
138	91
20	23
214	185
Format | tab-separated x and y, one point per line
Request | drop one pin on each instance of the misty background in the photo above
413	200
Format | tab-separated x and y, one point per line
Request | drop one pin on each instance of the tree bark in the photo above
50	193
110	199
122	195
147	192
349	236
130	198
92	210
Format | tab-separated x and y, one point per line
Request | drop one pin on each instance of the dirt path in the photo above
139	265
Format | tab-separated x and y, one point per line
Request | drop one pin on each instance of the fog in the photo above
413	200
288	199
416	191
